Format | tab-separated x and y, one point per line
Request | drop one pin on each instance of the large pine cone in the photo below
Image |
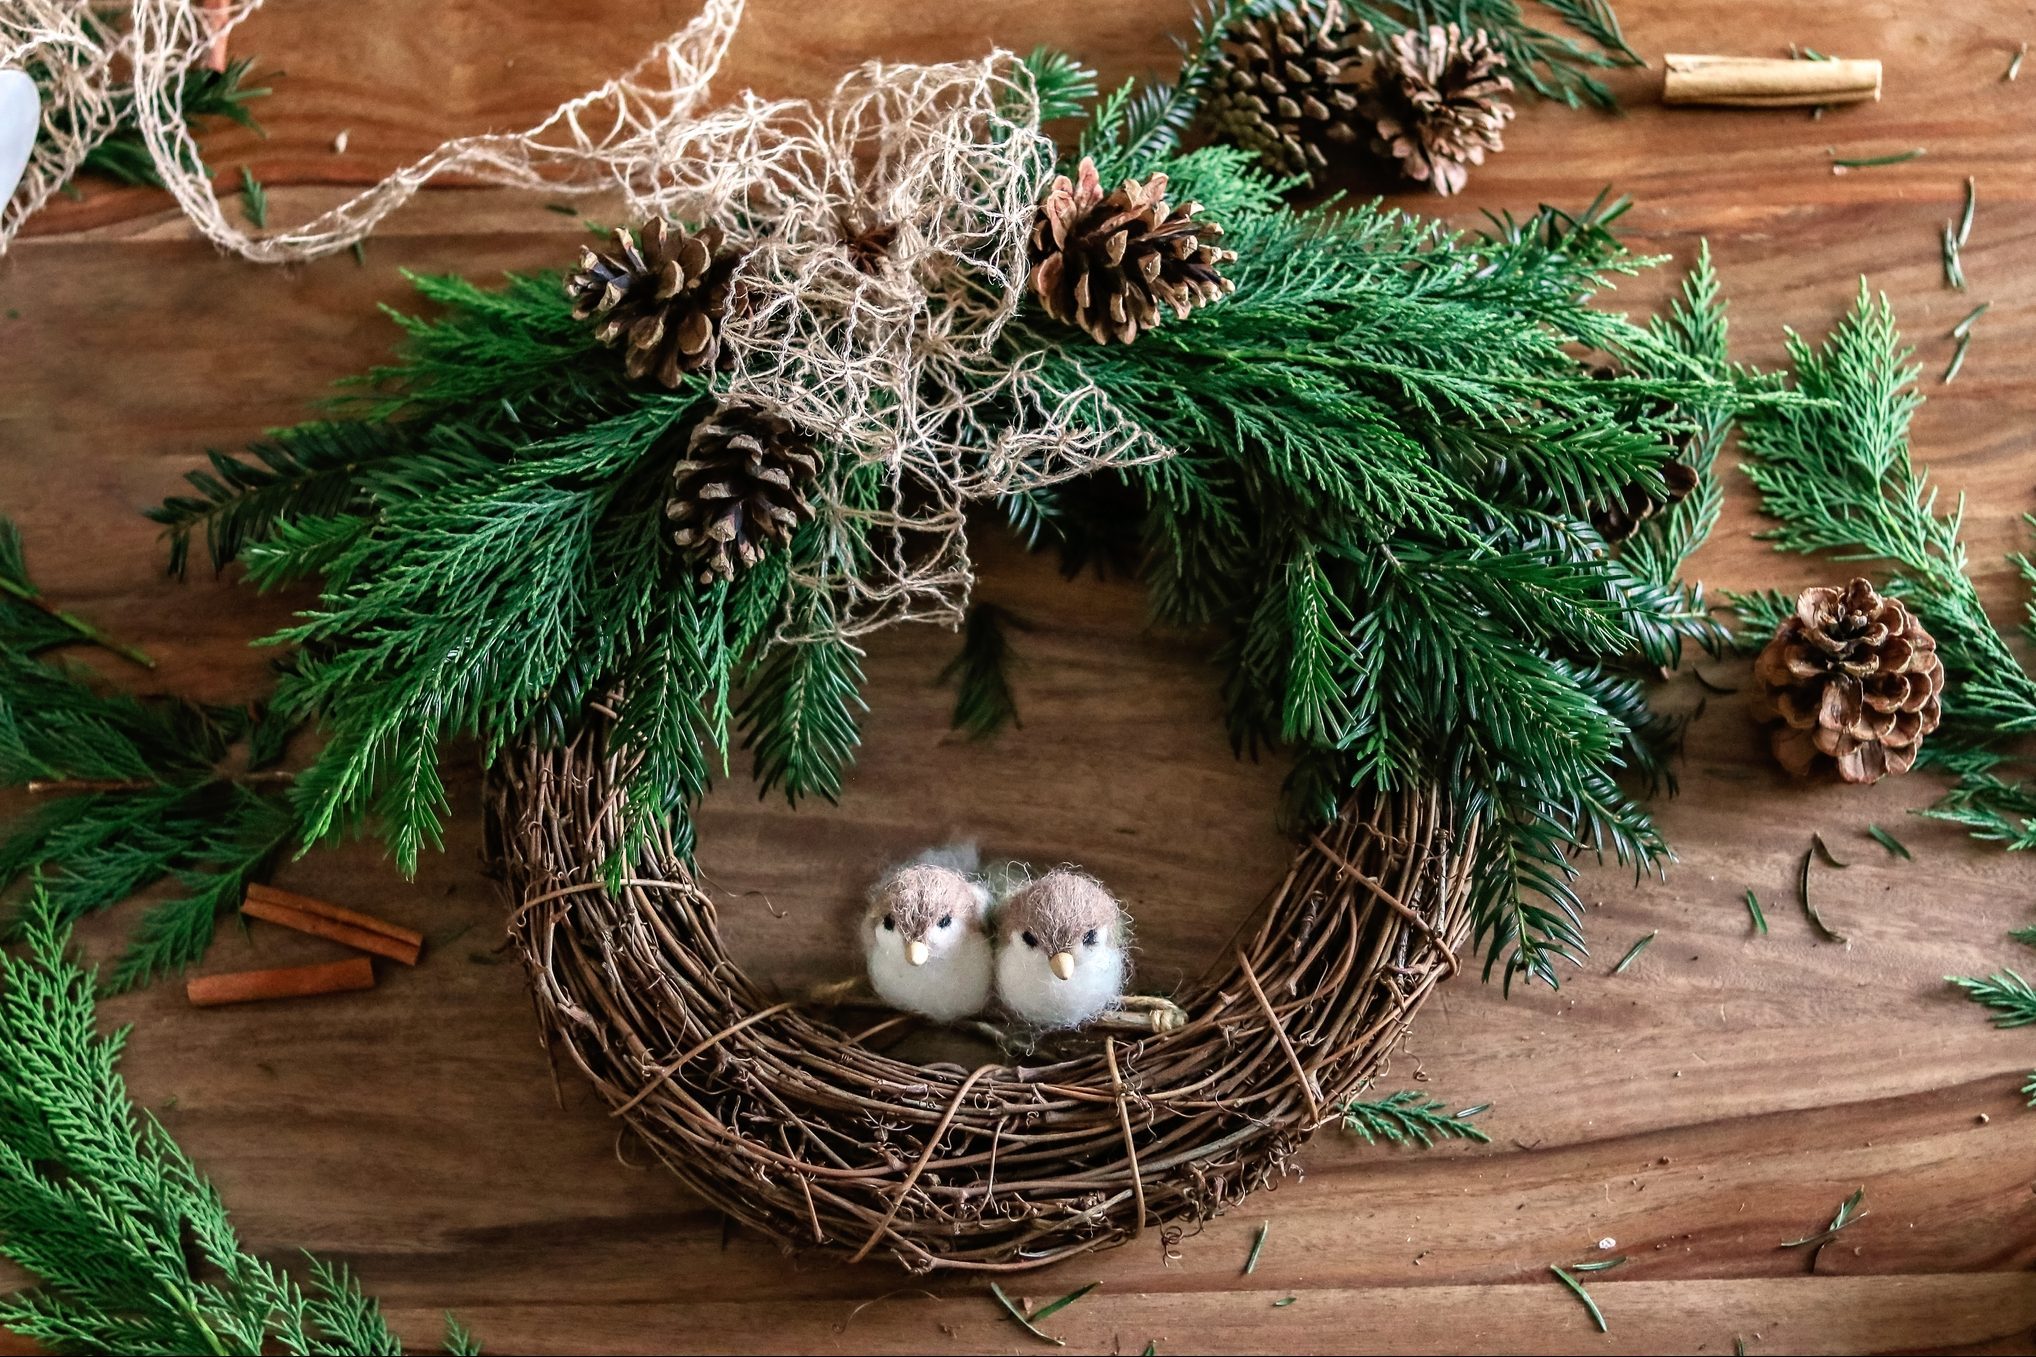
1108	263
1285	85
1438	103
741	488
661	294
1854	680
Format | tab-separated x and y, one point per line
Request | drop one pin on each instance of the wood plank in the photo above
1722	1095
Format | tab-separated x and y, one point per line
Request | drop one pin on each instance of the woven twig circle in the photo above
793	1126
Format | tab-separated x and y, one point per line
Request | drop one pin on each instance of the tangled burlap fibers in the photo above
896	366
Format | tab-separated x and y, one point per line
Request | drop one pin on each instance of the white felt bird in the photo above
926	935
1062	953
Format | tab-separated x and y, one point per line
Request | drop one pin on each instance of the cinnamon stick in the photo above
281	982
321	919
1768	82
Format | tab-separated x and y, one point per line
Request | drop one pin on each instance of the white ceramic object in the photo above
20	117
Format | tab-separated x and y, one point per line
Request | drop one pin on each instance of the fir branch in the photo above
800	717
30	624
254	199
1406	1118
980	672
1137	124
202	95
131	1246
2005	992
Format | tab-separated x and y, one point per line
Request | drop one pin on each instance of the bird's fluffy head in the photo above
925	903
1063	911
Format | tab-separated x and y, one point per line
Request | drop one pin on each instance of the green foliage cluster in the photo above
1836	475
1409	1118
137	790
2011	998
130	1244
203	94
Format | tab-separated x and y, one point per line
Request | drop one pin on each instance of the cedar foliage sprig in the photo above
1836	475
131	1246
1406	1118
137	791
2012	999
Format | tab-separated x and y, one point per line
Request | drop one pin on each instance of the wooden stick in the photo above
281	982
363	932
1767	82
215	20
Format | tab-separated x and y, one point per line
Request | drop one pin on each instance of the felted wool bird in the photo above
926	935
1062	956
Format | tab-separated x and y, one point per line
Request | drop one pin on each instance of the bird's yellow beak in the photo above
1063	964
915	952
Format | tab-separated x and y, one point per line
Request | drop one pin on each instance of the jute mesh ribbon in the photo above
901	369
793	1119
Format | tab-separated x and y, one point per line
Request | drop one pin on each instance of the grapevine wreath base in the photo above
792	1125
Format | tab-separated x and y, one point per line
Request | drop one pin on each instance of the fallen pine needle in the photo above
2015	64
1803	890
1848	1211
1283	1304
1888	841
1635	950
1958	356
1069	1299
1753	908
1604	1265
1840	164
1824	852
1971	206
1954	268
1959	330
1257	1247
1597	1315
1019	1315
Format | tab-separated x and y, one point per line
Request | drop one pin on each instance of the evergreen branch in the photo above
203	94
1139	123
799	717
2010	997
131	1246
30	624
980	671
1408	1117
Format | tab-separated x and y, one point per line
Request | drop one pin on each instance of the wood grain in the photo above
1721	1096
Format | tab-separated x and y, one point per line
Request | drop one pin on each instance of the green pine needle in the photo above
130	1245
1753	908
254	199
2005	992
980	671
1408	1117
1577	1289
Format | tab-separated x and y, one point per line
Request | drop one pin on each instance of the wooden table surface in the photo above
1721	1096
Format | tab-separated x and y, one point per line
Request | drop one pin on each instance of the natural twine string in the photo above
899	367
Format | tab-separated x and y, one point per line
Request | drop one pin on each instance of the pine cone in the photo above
1438	103
1619	520
1854	679
1109	263
662	294
1285	85
741	488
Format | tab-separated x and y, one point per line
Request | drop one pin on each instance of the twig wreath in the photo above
613	521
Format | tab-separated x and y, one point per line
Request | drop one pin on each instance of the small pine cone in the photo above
1286	85
1108	263
1438	103
1854	680
661	294
1620	519
741	488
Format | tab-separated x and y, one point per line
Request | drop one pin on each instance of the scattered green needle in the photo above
1839	164
1889	842
1971	206
2015	63
1753	908
1848	1211
1803	891
1605	1265
1283	1304
1019	1315
1597	1315
1824	852
1151	1348
360	253
1954	267
1257	1247
1708	686
254	200
1470	1112
563	209
1635	950
1958	357
1960	330
1069	1299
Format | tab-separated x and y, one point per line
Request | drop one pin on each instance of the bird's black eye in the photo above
890	923
1030	941
1089	938
946	920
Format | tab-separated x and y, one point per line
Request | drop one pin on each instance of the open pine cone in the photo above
741	488
1854	680
661	293
1108	263
1438	103
1285	85
1619	520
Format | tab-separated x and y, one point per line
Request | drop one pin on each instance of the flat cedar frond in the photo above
130	1246
1836	475
1408	1117
2010	997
